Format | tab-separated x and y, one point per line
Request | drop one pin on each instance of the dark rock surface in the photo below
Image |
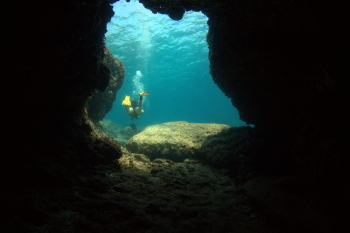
280	198
282	63
247	151
173	140
230	149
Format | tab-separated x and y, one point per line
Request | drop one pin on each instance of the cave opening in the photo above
168	59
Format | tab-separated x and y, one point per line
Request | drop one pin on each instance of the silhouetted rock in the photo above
101	101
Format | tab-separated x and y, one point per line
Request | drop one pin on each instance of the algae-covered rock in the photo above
173	140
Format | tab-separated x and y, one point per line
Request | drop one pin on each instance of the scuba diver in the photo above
133	108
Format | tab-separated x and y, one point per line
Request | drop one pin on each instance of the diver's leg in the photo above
129	110
139	109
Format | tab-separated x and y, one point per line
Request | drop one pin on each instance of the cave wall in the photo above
278	61
54	64
282	66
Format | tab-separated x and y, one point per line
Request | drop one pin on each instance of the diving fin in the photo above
144	93
126	101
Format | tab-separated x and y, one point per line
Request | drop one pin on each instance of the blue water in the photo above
172	60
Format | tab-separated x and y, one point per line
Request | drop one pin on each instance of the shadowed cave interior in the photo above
282	64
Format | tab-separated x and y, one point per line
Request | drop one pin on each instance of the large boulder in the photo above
173	140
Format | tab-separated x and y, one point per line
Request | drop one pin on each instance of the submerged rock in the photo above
173	140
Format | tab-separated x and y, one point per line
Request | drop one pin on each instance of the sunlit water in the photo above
168	59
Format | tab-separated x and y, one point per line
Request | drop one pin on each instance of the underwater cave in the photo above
282	66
